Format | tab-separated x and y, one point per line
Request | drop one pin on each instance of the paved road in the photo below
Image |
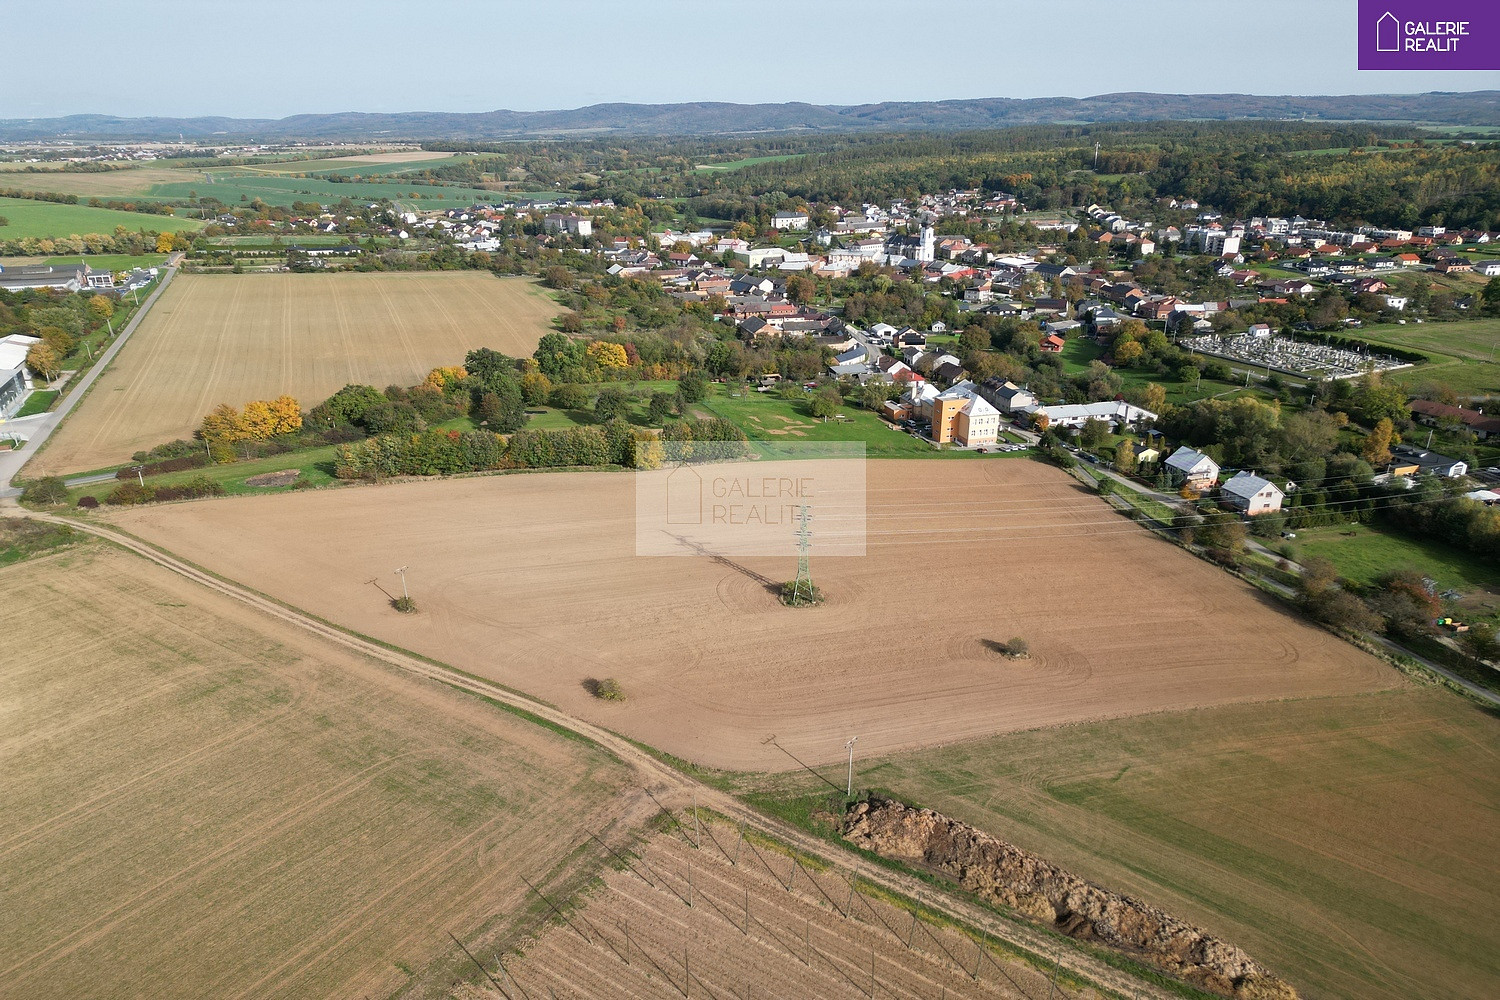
664	781
42	427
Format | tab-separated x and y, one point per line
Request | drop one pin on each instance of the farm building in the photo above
1192	468
1251	494
65	278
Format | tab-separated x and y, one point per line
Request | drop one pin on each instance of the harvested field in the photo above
747	934
203	802
531	580
1348	843
231	338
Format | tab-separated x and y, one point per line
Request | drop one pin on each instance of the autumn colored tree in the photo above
1125	456
164	243
535	388
608	355
286	415
1154	398
43	360
1377	447
101	307
256	421
446	379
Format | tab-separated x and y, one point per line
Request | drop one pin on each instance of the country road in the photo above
11	462
674	787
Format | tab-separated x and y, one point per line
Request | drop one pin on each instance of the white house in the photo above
789	220
1192	468
573	225
1490	268
1251	494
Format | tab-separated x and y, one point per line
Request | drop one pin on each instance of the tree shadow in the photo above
591	685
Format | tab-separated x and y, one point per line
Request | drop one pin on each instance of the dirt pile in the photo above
1003	873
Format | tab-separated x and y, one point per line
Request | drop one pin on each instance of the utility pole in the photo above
849	793
1096	156
402	573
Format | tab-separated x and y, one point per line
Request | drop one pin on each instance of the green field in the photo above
1080	351
1348	843
1465	355
341	166
768	417
749	161
48	219
1361	554
114	261
232	186
316	465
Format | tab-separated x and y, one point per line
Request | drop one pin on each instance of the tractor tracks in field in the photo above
666	782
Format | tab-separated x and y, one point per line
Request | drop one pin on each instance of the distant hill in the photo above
709	118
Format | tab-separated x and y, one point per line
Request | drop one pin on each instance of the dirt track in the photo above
531	581
232	338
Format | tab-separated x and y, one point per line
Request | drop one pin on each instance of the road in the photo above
11	462
673	787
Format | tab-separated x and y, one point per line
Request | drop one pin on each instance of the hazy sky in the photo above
272	58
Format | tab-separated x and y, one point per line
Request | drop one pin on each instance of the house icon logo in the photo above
684	495
1388	33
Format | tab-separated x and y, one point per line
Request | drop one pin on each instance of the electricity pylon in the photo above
802	587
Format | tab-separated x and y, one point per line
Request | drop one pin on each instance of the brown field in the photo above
746	934
1349	843
123	181
203	802
531	580
231	338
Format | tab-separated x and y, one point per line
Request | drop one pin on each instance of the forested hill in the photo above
1474	108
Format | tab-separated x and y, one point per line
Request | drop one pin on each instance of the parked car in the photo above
1288	534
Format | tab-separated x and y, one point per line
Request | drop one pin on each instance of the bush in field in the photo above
1018	648
87	503
45	491
608	689
127	494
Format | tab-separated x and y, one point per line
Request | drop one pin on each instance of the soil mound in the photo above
283	478
1003	873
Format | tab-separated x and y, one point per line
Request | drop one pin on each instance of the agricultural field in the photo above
113	261
117	182
202	801
748	934
1346	842
45	219
962	557
231	186
214	339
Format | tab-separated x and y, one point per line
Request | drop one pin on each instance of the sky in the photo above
273	58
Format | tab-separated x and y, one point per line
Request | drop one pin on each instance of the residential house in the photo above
1438	414
789	220
1115	412
1251	494
1193	469
1406	456
1006	396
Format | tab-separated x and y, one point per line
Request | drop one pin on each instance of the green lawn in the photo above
1362	553
1081	351
1465	355
316	465
49	219
39	401
114	261
767	417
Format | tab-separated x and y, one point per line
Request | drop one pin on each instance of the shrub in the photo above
609	689
87	503
807	599
405	605
1018	648
569	396
47	490
130	493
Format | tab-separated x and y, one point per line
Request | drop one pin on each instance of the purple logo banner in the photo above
1429	34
